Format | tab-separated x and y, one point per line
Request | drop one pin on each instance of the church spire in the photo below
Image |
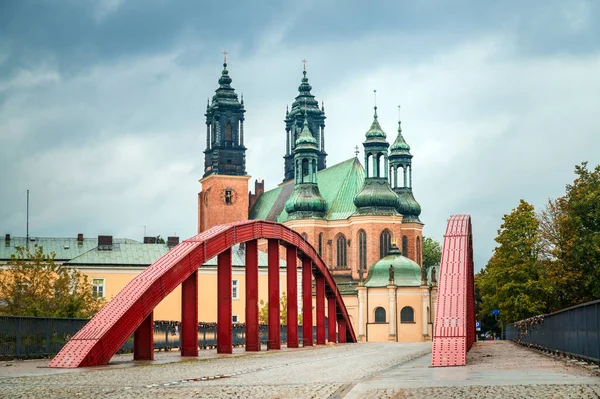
294	121
225	153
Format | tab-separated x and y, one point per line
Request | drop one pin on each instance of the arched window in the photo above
407	315
304	236
379	315
228	134
320	244
405	246
304	178
341	251
418	256
385	242
362	250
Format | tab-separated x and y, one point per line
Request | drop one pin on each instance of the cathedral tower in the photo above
224	195
304	103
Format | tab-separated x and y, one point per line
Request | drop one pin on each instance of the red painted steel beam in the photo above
143	340
101	337
252	327
331	319
224	311
274	297
292	297
307	320
342	331
320	302
454	328
189	316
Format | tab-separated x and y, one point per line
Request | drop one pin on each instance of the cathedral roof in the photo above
338	185
408	205
407	273
400	146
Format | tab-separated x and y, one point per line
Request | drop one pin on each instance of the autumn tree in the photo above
263	312
33	284
432	252
511	280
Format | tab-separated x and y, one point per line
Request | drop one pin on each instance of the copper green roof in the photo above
400	146
407	273
408	205
375	132
338	185
376	198
305	138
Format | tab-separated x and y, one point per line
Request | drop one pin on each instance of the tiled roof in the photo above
64	248
338	185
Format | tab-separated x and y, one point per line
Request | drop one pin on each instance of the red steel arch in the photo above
454	330
131	311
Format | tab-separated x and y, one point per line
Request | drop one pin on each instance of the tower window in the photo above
384	243
341	251
362	250
320	244
405	246
228	135
228	196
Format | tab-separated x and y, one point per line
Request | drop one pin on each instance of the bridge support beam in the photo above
320	302
292	297
189	315
252	328
307	320
224	326
273	283
342	331
143	339
331	319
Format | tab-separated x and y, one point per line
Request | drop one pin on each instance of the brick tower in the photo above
224	195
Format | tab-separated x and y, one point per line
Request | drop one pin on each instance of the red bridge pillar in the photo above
224	326
331	319
189	315
307	322
273	277
252	329
320	302
342	331
143	339
292	297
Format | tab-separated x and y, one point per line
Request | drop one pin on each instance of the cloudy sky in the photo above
101	102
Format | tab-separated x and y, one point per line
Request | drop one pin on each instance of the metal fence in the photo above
30	337
571	332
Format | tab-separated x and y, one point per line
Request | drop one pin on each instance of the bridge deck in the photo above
494	369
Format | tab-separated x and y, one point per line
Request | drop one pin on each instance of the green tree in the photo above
263	312
432	252
511	280
32	284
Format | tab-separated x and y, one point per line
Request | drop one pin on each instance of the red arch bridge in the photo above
131	311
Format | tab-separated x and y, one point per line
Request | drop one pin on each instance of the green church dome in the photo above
400	146
407	273
306	202
305	138
375	132
408	205
376	197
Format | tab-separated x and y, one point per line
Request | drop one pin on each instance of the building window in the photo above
98	287
362	250
235	292
341	251
234	318
228	196
407	315
228	135
418	255
379	315
385	242
405	246
320	244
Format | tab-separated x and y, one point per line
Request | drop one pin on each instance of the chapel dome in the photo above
407	273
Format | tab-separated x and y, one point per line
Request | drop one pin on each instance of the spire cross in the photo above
399	113
225	56
375	96
304	62
356	152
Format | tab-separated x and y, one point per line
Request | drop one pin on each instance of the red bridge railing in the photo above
454	331
131	311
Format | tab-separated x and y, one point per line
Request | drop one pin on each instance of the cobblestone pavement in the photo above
373	370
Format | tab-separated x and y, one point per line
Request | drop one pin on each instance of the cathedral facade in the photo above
362	219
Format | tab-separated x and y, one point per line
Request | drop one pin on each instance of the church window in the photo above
362	250
228	135
385	242
320	244
407	315
228	196
405	246
341	251
379	315
418	255
304	171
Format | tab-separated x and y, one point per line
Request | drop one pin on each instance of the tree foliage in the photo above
432	252
263	312
32	284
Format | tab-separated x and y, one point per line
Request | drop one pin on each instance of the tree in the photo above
432	252
511	280
32	284
263	313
